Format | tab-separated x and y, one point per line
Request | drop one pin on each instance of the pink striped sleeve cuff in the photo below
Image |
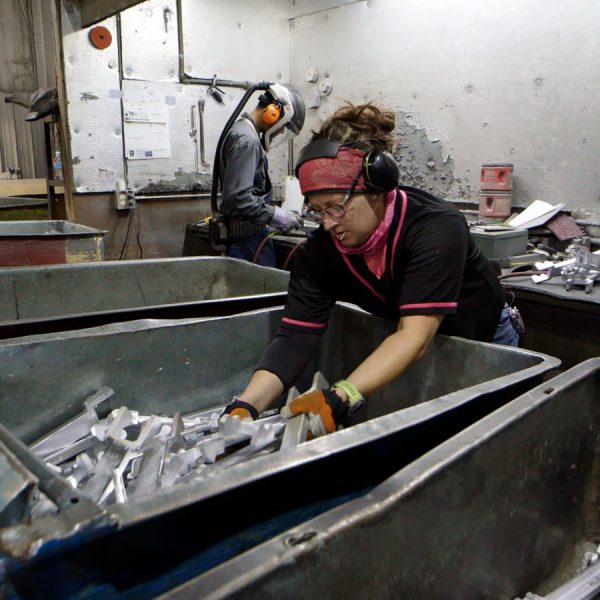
429	305
303	323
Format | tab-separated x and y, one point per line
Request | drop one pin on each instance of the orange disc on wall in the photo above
100	37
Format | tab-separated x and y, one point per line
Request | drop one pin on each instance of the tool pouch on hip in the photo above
223	231
217	233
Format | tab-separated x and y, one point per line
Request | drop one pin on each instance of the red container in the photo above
48	243
496	177
495	204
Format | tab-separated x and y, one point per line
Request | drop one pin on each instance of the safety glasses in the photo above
335	212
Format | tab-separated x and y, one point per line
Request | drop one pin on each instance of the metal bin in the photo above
508	508
44	299
159	541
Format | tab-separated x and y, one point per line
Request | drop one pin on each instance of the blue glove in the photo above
285	219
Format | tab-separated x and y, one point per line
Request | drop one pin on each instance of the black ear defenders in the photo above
380	170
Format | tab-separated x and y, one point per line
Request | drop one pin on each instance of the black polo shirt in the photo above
433	266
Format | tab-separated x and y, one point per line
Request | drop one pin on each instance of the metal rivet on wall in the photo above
325	87
312	74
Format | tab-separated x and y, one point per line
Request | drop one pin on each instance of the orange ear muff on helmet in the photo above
271	114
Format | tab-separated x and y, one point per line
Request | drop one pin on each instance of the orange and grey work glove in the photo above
241	409
325	410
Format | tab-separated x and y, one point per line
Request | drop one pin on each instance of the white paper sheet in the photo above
536	214
146	130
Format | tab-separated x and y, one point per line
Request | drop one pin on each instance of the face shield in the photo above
292	119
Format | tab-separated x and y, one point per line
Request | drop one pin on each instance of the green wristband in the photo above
354	396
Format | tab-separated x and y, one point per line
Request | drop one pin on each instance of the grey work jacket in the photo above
244	174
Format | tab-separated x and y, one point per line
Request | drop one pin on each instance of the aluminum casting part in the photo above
135	467
296	429
585	270
72	450
194	433
177	443
51	484
180	464
264	435
319	382
150	468
116	432
100	484
83	469
212	447
75	429
119	420
119	487
118	479
234	430
295	433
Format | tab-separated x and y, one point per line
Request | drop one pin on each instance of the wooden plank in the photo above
25	187
63	125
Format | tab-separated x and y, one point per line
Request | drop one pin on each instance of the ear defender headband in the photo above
328	165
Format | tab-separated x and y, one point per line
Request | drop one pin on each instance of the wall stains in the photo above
422	162
87	96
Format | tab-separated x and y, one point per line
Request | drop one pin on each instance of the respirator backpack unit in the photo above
283	112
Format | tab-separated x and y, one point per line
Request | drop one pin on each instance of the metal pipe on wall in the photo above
184	78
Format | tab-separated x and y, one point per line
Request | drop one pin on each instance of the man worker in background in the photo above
246	186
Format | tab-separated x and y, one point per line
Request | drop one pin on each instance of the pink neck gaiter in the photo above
378	238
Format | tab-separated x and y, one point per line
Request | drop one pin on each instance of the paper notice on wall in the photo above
146	131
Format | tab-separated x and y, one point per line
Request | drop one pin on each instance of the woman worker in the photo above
396	251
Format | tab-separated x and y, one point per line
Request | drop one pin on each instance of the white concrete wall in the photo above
471	81
236	40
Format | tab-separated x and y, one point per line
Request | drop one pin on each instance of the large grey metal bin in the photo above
44	299
506	508
164	367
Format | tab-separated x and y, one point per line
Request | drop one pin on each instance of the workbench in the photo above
565	324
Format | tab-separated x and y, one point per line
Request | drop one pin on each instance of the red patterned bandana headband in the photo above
332	174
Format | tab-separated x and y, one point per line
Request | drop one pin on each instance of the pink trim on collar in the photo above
361	279
397	236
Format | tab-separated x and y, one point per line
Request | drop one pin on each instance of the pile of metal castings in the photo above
127	455
585	270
